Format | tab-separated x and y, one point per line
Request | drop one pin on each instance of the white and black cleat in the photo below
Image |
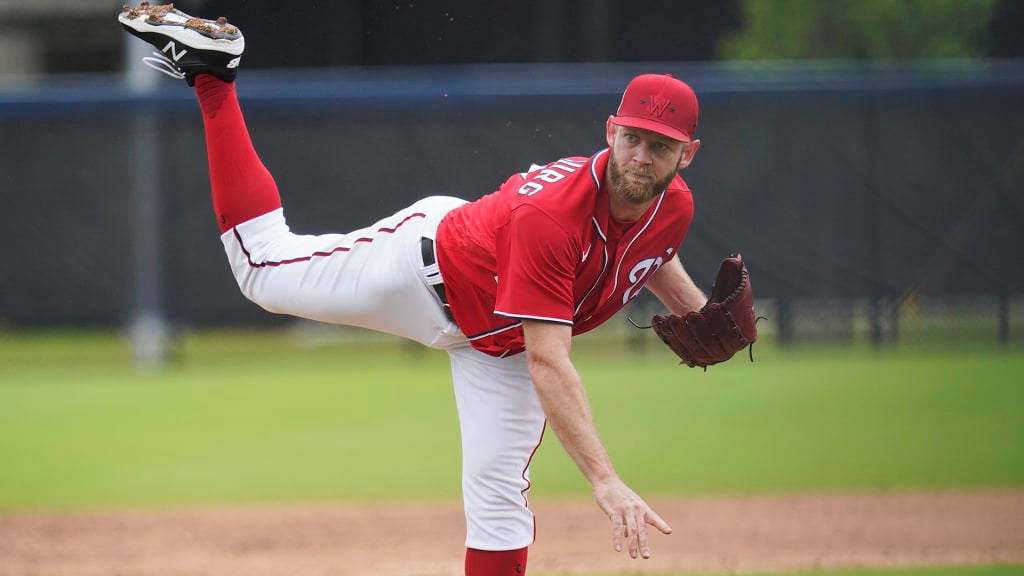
187	46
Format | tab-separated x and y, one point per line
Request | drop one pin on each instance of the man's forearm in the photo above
565	404
675	289
564	399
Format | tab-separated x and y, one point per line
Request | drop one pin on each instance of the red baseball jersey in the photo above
544	246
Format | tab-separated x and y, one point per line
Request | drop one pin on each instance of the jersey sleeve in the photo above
536	262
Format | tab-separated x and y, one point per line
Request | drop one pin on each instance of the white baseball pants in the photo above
375	278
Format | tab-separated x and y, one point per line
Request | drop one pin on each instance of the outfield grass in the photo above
243	417
832	418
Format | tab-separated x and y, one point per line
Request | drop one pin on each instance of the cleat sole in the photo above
198	33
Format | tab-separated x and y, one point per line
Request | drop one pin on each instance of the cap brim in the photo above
653	126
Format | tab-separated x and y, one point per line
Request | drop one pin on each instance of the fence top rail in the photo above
430	86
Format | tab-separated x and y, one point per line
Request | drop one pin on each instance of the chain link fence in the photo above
875	201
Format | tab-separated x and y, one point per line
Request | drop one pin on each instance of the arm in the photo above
676	290
565	404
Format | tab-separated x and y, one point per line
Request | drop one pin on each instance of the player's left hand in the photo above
630	515
724	326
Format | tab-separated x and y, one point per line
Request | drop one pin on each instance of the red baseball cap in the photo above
659	103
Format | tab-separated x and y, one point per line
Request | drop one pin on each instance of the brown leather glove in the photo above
723	327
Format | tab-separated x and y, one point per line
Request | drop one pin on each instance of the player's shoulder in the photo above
562	171
557	186
561	190
679	198
678	185
679	189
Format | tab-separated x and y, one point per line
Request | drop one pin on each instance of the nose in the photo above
642	154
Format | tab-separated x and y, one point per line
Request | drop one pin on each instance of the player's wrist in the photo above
604	481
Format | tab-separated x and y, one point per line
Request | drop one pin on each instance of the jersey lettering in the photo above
530	188
638	276
550	176
568	165
553	173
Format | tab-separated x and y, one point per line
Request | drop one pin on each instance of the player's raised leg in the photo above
373	278
502	424
206	54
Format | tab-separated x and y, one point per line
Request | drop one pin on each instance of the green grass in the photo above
836	418
243	417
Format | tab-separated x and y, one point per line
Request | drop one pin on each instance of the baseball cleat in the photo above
187	46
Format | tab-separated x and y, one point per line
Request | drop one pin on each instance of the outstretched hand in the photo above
630	516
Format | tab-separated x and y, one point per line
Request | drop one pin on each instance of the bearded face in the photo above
637	184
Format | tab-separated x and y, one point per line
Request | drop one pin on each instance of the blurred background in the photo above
866	157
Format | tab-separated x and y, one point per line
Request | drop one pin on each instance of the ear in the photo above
609	129
688	153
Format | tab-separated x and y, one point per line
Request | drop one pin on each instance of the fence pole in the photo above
871	226
784	321
1004	319
148	323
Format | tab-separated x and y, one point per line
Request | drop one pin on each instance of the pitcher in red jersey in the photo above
554	252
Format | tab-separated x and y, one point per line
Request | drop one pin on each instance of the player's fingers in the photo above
618	526
633	535
644	543
654	520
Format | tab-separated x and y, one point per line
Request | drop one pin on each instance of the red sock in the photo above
503	563
242	187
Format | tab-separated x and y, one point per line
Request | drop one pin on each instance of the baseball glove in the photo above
723	327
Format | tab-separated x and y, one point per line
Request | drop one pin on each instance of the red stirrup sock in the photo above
503	563
241	185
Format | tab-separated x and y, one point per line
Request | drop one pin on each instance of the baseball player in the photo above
501	283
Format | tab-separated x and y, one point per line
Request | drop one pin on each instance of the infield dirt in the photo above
720	534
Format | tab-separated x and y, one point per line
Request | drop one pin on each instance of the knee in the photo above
250	287
496	477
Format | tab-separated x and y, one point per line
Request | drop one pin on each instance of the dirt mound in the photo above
711	535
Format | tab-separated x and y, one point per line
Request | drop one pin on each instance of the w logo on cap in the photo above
656	106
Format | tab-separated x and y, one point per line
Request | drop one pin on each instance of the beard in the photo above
633	191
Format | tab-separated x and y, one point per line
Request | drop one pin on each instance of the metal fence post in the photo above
148	323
